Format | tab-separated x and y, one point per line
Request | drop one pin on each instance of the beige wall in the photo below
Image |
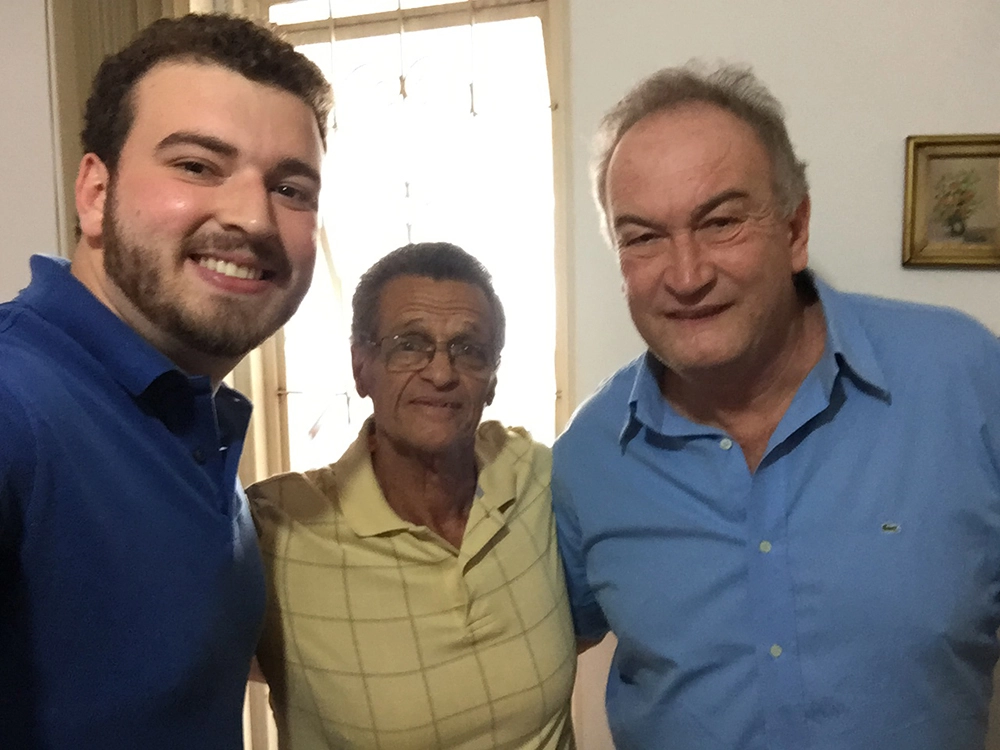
28	209
856	78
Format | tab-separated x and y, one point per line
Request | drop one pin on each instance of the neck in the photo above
748	399
432	490
88	268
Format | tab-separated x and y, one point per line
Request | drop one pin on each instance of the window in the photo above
442	130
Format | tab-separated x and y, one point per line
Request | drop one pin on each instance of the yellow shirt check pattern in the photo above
380	634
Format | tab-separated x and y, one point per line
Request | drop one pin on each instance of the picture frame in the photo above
951	215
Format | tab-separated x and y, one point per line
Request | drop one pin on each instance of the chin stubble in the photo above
231	327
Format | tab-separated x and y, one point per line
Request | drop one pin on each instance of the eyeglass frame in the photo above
492	359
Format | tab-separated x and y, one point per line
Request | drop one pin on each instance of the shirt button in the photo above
725	444
765	546
198	454
775	650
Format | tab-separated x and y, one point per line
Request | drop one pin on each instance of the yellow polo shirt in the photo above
380	634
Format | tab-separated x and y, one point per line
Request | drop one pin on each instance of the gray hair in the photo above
440	261
732	88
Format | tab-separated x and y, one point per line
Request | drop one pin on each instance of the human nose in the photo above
688	271
440	370
245	203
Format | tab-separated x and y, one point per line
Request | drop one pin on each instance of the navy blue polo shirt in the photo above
131	586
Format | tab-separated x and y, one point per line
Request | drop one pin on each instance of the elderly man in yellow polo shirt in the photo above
416	598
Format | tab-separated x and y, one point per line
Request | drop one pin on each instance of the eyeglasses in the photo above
410	352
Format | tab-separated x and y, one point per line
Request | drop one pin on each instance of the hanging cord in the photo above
472	61
402	58
333	41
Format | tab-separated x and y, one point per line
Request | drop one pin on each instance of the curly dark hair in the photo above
238	44
440	261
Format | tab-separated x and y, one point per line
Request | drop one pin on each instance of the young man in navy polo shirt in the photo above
131	590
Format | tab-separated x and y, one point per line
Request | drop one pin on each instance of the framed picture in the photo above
952	210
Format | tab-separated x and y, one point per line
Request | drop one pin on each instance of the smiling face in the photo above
433	411
706	256
203	239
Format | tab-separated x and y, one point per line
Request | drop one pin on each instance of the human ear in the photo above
91	192
492	392
359	363
798	235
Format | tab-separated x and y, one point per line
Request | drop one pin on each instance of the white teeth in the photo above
228	268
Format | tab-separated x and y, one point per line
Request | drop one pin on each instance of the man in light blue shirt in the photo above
788	509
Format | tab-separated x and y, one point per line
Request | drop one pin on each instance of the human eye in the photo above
638	239
470	355
199	169
409	342
639	244
635	235
298	195
720	227
406	352
720	221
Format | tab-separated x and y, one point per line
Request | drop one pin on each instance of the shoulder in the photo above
36	356
11	315
496	442
22	341
290	499
929	339
28	377
603	414
513	465
610	400
894	318
18	427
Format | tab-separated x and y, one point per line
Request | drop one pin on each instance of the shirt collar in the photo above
59	297
145	373
847	341
361	500
368	513
848	349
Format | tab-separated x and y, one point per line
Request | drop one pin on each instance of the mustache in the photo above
267	248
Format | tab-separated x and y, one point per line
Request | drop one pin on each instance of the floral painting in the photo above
952	201
955	199
965	203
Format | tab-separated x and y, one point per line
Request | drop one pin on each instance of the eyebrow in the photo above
292	166
699	213
284	168
417	326
714	202
208	142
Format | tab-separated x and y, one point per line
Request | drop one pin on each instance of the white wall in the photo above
28	221
856	77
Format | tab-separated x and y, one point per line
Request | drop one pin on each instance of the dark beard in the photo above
232	328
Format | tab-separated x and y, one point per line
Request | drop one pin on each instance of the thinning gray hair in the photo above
440	261
732	88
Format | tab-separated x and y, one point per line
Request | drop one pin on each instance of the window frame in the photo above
261	375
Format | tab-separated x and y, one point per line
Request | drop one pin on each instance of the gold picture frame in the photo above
952	210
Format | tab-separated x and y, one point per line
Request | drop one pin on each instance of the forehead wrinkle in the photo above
667	167
427	310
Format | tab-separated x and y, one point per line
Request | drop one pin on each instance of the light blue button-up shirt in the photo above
845	595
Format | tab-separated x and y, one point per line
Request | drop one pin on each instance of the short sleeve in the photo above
990	383
266	512
588	618
16	449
